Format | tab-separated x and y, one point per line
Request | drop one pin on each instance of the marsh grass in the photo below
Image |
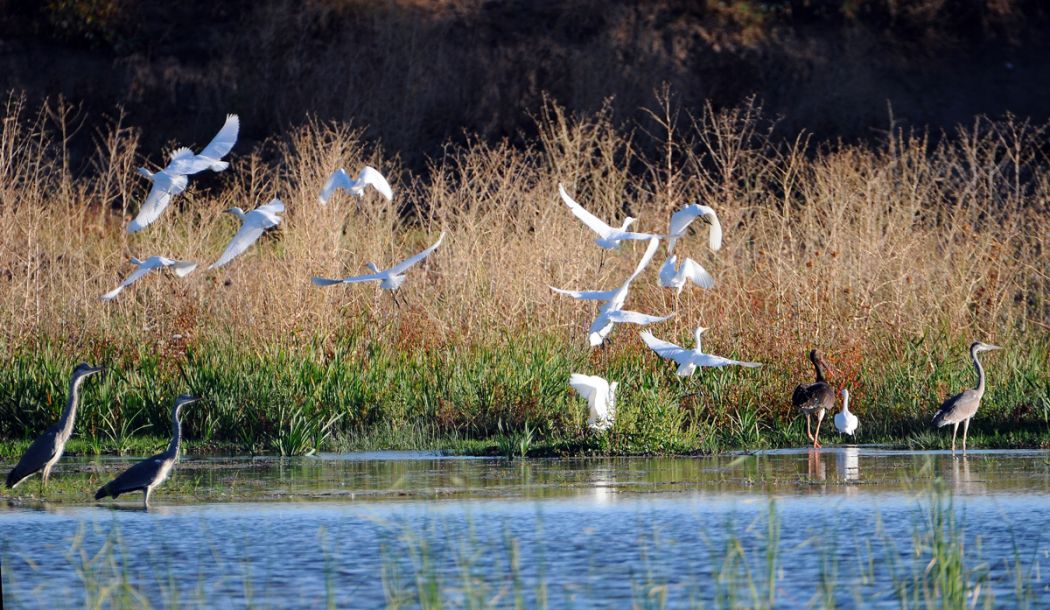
890	257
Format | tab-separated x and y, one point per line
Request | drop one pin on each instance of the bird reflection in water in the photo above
815	468
849	464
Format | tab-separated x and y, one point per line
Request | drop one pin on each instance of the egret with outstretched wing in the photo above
681	220
689	271
166	184
368	176
389	279
601	399
253	225
181	268
211	156
608	237
689	360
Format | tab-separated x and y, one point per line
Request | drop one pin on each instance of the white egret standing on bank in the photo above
181	268
601	399
368	176
612	312
253	224
681	220
389	279
845	421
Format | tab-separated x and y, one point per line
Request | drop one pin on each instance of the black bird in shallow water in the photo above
152	471
47	449
814	398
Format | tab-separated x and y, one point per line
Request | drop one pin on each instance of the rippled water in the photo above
366	530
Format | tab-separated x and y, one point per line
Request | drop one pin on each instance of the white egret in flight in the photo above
369	176
689	270
211	156
181	268
612	312
166	184
608	237
690	359
846	422
389	279
253	224
601	399
681	219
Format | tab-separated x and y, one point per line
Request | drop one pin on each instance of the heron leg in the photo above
393	295
816	437
966	429
955	430
809	433
601	261
43	477
145	497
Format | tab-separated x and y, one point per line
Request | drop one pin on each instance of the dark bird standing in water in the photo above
47	449
814	398
152	471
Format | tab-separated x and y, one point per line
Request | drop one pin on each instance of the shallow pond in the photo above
843	526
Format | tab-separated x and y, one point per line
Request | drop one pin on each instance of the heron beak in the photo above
96	369
990	347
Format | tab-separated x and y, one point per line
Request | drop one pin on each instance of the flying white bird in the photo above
845	421
211	156
253	224
690	270
369	176
681	219
608	237
612	312
601	398
181	268
690	359
389	279
167	183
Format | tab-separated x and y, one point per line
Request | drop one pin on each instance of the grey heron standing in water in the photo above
47	449
150	472
961	407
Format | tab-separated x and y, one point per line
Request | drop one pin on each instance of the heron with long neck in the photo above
814	399
150	472
962	407
47	449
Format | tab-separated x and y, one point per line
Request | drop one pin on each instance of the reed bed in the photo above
890	256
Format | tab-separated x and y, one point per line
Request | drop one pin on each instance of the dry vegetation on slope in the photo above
865	251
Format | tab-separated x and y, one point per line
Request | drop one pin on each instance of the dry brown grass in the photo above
849	246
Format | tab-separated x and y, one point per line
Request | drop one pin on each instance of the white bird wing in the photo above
157	200
692	271
370	175
666	349
715	239
592	221
408	262
633	317
183	268
654	243
586	295
183	162
631	235
323	281
135	276
588	386
250	231
338	180
273	208
223	142
681	219
371	277
668	273
710	360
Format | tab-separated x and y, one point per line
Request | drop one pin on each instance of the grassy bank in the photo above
890	258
